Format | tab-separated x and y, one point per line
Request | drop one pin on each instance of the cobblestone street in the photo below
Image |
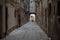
29	31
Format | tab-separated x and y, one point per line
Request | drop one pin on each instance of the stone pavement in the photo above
29	31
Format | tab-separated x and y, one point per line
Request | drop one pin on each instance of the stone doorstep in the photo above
10	30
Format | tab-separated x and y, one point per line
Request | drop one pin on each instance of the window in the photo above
49	9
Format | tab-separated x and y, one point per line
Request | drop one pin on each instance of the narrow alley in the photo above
29	31
29	19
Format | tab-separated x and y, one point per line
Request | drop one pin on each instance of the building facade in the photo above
41	13
32	6
54	17
24	11
26	7
9	16
14	13
49	17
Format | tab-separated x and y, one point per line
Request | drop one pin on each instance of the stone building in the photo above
32	7
26	8
48	14
23	12
54	19
41	13
9	16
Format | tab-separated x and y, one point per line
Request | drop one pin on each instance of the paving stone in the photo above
29	31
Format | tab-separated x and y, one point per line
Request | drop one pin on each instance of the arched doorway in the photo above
32	17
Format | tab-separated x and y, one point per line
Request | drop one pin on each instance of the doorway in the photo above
58	19
49	20
6	19
58	8
19	20
1	14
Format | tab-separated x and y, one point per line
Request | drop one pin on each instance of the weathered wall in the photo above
11	16
24	12
55	24
41	14
48	18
